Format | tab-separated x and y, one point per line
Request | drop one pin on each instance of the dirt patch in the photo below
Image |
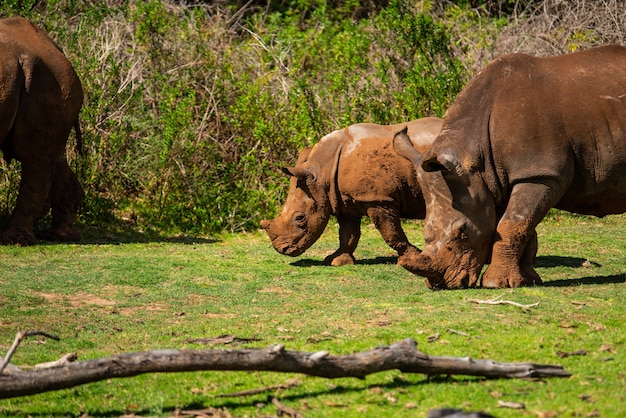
219	315
76	300
153	307
275	289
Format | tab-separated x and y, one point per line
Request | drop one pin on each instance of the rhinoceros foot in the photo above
17	235
61	234
341	259
497	277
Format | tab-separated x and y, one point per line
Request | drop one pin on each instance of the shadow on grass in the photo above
378	260
309	262
617	278
550	261
115	234
232	404
546	261
575	262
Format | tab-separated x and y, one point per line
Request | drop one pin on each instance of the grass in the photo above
105	298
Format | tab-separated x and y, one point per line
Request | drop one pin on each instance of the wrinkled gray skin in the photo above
40	98
525	135
351	173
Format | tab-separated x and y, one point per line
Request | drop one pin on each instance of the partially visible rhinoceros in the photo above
351	173
40	98
525	135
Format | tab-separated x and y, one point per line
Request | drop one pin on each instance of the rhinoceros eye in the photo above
300	220
459	229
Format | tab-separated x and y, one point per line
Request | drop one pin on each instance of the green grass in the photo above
109	298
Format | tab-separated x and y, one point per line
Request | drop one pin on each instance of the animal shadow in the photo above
309	262
552	261
549	261
616	278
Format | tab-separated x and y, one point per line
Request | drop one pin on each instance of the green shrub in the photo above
191	110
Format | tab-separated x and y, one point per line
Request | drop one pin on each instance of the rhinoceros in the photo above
40	98
351	173
525	135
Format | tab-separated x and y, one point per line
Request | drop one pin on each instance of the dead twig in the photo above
203	413
563	354
511	405
285	410
497	301
457	332
18	339
222	339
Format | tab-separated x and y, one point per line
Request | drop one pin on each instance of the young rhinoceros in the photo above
351	173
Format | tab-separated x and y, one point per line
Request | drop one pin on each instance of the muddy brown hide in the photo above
351	173
525	135
40	98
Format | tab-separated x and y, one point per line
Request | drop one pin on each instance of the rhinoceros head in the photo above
305	213
460	216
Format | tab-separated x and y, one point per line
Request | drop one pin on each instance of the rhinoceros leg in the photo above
389	224
515	242
31	205
349	234
65	197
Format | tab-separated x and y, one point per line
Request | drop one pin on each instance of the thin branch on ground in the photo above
285	410
497	301
222	339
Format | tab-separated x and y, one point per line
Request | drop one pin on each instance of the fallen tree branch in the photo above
497	301
403	356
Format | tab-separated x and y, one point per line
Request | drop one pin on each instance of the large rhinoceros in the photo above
525	135
351	173
40	98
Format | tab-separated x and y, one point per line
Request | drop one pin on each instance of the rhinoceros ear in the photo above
404	147
304	155
445	163
431	163
299	172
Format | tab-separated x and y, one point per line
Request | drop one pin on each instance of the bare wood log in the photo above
402	356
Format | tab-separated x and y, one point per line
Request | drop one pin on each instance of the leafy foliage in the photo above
191	109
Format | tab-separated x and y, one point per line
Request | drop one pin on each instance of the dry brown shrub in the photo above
554	27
